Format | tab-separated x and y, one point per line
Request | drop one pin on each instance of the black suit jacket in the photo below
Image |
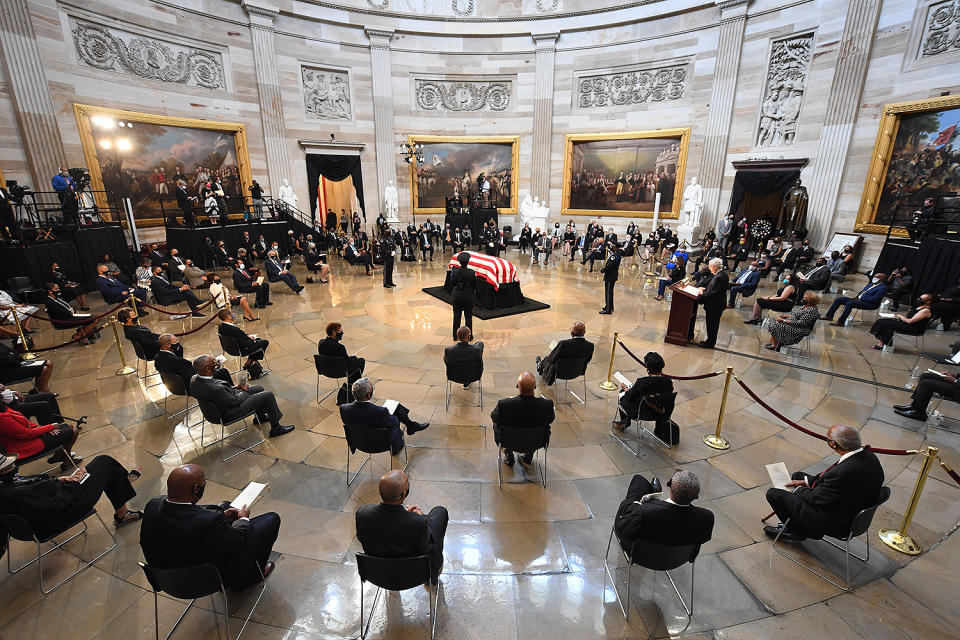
174	536
661	522
333	348
41	503
243	281
715	293
390	531
522	411
164	292
463	353
648	385
569	348
59	309
147	339
611	268
170	362
839	493
247	344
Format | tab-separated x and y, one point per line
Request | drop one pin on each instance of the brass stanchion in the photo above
898	538
26	355
609	384
132	300
124	370
715	440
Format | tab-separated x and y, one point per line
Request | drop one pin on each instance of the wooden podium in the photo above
683	315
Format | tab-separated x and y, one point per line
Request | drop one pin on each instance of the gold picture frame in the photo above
682	133
84	112
882	155
514	141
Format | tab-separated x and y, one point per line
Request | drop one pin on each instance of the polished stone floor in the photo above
521	561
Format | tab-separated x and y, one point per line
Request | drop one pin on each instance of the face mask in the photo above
786	281
239	266
752	268
216	280
875	280
7	396
339	335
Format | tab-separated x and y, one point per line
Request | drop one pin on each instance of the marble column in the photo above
546	53
733	15
843	104
382	79
268	88
27	84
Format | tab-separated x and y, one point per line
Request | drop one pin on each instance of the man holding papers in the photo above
363	413
942	382
827	503
576	346
177	532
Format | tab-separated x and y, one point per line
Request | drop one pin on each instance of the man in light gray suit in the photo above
724	227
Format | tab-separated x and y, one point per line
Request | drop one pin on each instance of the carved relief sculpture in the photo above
632	87
941	31
326	93
783	94
453	95
132	54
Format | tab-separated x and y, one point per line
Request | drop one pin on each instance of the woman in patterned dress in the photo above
791	329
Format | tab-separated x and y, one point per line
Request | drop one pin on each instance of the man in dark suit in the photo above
714	301
252	347
523	410
745	283
157	259
425	242
244	282
611	272
280	272
114	291
576	346
827	503
183	201
945	383
178	533
170	360
133	332
330	346
167	294
457	241
869	297
175	266
235	401
363	413
816	279
463	354
49	504
392	530
355	256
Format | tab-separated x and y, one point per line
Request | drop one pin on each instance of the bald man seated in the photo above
523	410
394	530
461	355
645	514
827	503
576	346
170	360
178	533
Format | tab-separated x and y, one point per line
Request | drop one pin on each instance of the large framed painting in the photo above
142	156
456	164
620	174
916	156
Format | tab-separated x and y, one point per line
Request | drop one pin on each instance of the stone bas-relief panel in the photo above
941	30
783	93
124	52
632	87
462	95
326	93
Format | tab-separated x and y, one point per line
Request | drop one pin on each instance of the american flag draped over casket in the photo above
496	271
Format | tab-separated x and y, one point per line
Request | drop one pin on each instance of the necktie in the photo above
820	475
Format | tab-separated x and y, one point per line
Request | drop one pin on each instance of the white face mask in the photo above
7	396
875	280
240	266
752	268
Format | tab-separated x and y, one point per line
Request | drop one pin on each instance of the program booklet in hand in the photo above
553	345
249	494
622	379
779	475
390	405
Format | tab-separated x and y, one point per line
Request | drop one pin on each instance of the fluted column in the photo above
268	88
382	79
28	87
733	15
546	48
843	104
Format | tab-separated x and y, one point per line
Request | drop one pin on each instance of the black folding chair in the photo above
20	529
657	557
142	357
465	373
332	367
644	413
369	440
190	583
23	288
396	574
176	386
570	369
211	413
524	440
231	347
859	527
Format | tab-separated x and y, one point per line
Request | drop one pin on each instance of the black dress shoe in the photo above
269	304
196	314
604	312
912	413
705	344
526	458
508	458
655	485
785	535
903	407
282	429
751	322
417	426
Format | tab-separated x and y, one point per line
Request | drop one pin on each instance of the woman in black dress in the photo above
464	281
70	289
784	301
914	323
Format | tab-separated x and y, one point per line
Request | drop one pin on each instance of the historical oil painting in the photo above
481	169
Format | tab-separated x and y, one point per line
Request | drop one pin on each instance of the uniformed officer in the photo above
610	271
389	251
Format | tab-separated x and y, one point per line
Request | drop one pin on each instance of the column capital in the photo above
261	13
545	40
379	38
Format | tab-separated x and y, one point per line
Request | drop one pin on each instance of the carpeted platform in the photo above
489	314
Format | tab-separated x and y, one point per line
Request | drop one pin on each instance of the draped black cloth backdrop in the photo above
935	265
334	168
760	183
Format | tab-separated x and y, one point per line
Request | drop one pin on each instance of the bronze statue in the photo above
793	212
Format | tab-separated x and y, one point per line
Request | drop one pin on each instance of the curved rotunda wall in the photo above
722	50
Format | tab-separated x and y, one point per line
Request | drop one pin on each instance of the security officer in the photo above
610	271
388	249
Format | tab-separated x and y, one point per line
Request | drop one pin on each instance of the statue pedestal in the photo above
686	233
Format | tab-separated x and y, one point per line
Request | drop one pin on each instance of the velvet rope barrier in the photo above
819	436
65	344
666	375
950	472
195	329
175	313
78	322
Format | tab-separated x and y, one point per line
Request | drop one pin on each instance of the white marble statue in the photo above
531	212
692	203
391	200
286	194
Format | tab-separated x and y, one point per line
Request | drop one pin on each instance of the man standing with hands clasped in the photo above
713	297
611	272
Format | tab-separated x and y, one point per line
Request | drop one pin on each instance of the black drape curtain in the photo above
92	244
895	255
189	242
937	266
760	183
334	168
